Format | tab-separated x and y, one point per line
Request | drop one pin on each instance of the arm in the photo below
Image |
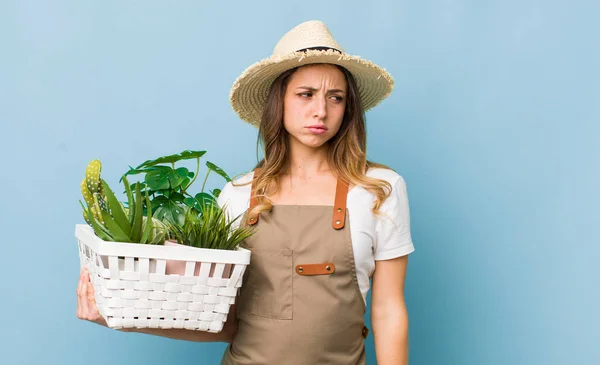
87	310
389	316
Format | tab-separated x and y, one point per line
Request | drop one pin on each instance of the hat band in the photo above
318	49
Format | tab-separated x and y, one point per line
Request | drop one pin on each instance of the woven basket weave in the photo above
133	290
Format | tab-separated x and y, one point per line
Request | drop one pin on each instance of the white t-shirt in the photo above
373	237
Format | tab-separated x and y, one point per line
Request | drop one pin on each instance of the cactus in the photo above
108	217
87	196
93	184
93	194
92	176
97	209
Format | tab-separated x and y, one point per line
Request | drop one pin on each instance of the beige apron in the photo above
300	302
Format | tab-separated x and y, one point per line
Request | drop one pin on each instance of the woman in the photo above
327	220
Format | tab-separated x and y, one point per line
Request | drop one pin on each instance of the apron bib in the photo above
300	302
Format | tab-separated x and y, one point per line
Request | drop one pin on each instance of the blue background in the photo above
494	124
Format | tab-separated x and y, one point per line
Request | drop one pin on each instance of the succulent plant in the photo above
113	222
92	191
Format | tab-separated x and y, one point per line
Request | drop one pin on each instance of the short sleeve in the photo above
224	195
224	200
393	238
235	199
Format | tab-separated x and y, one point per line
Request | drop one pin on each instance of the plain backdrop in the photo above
494	125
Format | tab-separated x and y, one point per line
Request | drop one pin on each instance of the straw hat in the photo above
307	43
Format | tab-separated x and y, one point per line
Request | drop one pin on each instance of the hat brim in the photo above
249	93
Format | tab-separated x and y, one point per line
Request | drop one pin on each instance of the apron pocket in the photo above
270	281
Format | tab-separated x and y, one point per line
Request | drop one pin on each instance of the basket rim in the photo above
85	234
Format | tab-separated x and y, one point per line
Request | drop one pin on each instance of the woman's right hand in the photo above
86	301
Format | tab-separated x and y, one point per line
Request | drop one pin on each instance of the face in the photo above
314	104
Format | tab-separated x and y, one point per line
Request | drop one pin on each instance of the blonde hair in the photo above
347	155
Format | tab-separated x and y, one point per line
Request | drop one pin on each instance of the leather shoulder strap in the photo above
339	207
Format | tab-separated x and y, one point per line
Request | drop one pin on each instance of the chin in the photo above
314	141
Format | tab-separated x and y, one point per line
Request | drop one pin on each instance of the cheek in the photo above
293	112
339	114
292	116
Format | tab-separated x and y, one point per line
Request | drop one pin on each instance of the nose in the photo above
320	105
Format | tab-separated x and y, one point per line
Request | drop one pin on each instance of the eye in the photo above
337	98
306	94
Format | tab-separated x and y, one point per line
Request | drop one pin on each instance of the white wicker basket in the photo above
133	290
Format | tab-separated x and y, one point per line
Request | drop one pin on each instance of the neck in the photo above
306	162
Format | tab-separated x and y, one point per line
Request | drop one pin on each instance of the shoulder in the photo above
236	193
240	181
389	175
362	197
397	200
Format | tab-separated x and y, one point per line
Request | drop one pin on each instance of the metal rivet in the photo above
328	268
338	222
300	269
339	209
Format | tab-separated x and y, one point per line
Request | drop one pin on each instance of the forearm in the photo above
226	335
183	334
390	330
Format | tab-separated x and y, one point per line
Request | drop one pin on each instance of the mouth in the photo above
317	129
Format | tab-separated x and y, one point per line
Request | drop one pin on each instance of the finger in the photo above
91	297
83	298
91	292
95	309
91	303
79	290
80	283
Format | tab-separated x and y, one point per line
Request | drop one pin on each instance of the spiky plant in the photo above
209	229
92	191
110	220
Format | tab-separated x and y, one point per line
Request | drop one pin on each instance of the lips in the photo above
317	127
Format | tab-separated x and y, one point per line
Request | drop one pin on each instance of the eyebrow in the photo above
313	89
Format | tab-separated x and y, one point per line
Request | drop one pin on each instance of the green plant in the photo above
92	191
209	229
110	220
168	186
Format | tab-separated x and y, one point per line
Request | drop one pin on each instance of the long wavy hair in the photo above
347	156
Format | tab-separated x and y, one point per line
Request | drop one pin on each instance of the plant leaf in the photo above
185	155
133	171
129	200
164	179
172	211
149	224
216	192
116	210
189	202
157	180
115	231
218	170
205	199
177	197
185	183
158	201
137	219
182	171
97	226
